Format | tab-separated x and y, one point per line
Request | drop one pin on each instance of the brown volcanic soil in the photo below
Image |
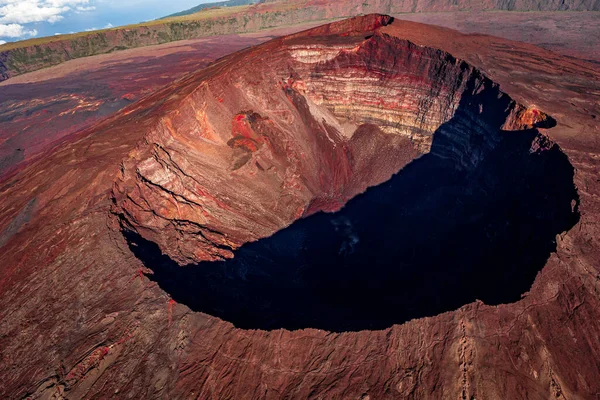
575	34
208	158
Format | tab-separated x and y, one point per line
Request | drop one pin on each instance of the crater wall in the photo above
282	134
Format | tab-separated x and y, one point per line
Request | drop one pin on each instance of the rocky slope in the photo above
198	168
32	55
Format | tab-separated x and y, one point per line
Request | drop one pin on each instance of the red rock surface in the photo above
204	161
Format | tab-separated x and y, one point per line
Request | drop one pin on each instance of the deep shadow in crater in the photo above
429	240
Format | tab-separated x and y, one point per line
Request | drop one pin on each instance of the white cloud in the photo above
2	42
15	13
55	18
108	26
15	30
27	11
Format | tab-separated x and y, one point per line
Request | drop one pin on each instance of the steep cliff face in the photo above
31	56
245	147
297	129
3	67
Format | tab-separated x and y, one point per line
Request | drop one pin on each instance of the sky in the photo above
24	19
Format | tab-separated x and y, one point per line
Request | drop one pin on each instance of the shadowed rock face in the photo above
474	215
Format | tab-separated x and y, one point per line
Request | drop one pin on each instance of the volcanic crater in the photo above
347	178
343	182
